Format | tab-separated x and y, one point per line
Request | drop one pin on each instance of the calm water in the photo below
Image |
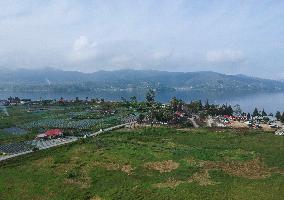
271	102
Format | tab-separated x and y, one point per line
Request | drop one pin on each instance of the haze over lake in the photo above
271	102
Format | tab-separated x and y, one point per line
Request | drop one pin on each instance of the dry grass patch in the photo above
110	166
44	162
127	169
252	169
277	171
115	166
164	166
80	183
76	173
170	183
171	144
63	168
196	163
81	177
79	150
96	198
186	129
202	178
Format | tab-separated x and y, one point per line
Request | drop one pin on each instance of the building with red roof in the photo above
51	134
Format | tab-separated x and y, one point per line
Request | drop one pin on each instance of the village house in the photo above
53	133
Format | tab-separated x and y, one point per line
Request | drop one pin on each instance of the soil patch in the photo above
237	124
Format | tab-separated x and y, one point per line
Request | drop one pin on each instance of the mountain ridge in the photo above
128	78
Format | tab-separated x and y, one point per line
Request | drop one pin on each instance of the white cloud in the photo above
225	56
162	54
81	43
172	35
120	61
279	76
116	54
83	50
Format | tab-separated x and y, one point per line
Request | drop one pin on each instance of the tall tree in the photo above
195	106
150	97
229	110
282	118
125	102
180	105
174	104
248	116
255	112
133	99
207	105
278	115
200	106
123	99
141	117
150	100
263	113
237	110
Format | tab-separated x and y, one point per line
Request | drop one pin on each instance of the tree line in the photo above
154	110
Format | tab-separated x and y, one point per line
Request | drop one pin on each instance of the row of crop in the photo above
62	123
73	124
86	115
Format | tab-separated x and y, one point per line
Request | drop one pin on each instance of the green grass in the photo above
73	172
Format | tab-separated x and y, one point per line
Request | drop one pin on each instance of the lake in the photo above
271	102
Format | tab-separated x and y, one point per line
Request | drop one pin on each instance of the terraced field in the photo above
152	163
72	119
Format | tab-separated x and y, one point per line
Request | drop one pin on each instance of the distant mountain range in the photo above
58	80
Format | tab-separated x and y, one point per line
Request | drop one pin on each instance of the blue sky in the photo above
229	36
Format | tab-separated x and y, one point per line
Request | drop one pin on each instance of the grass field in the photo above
152	163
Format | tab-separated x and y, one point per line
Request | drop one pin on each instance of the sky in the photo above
227	36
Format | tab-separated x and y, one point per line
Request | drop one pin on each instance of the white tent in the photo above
39	136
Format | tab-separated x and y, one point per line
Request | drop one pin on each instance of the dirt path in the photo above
193	122
209	121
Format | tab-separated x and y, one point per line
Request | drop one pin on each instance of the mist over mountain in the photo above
58	80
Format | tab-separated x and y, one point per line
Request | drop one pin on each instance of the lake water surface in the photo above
271	102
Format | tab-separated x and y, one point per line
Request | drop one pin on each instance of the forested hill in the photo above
39	79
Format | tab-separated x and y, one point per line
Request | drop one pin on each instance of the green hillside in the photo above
152	163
